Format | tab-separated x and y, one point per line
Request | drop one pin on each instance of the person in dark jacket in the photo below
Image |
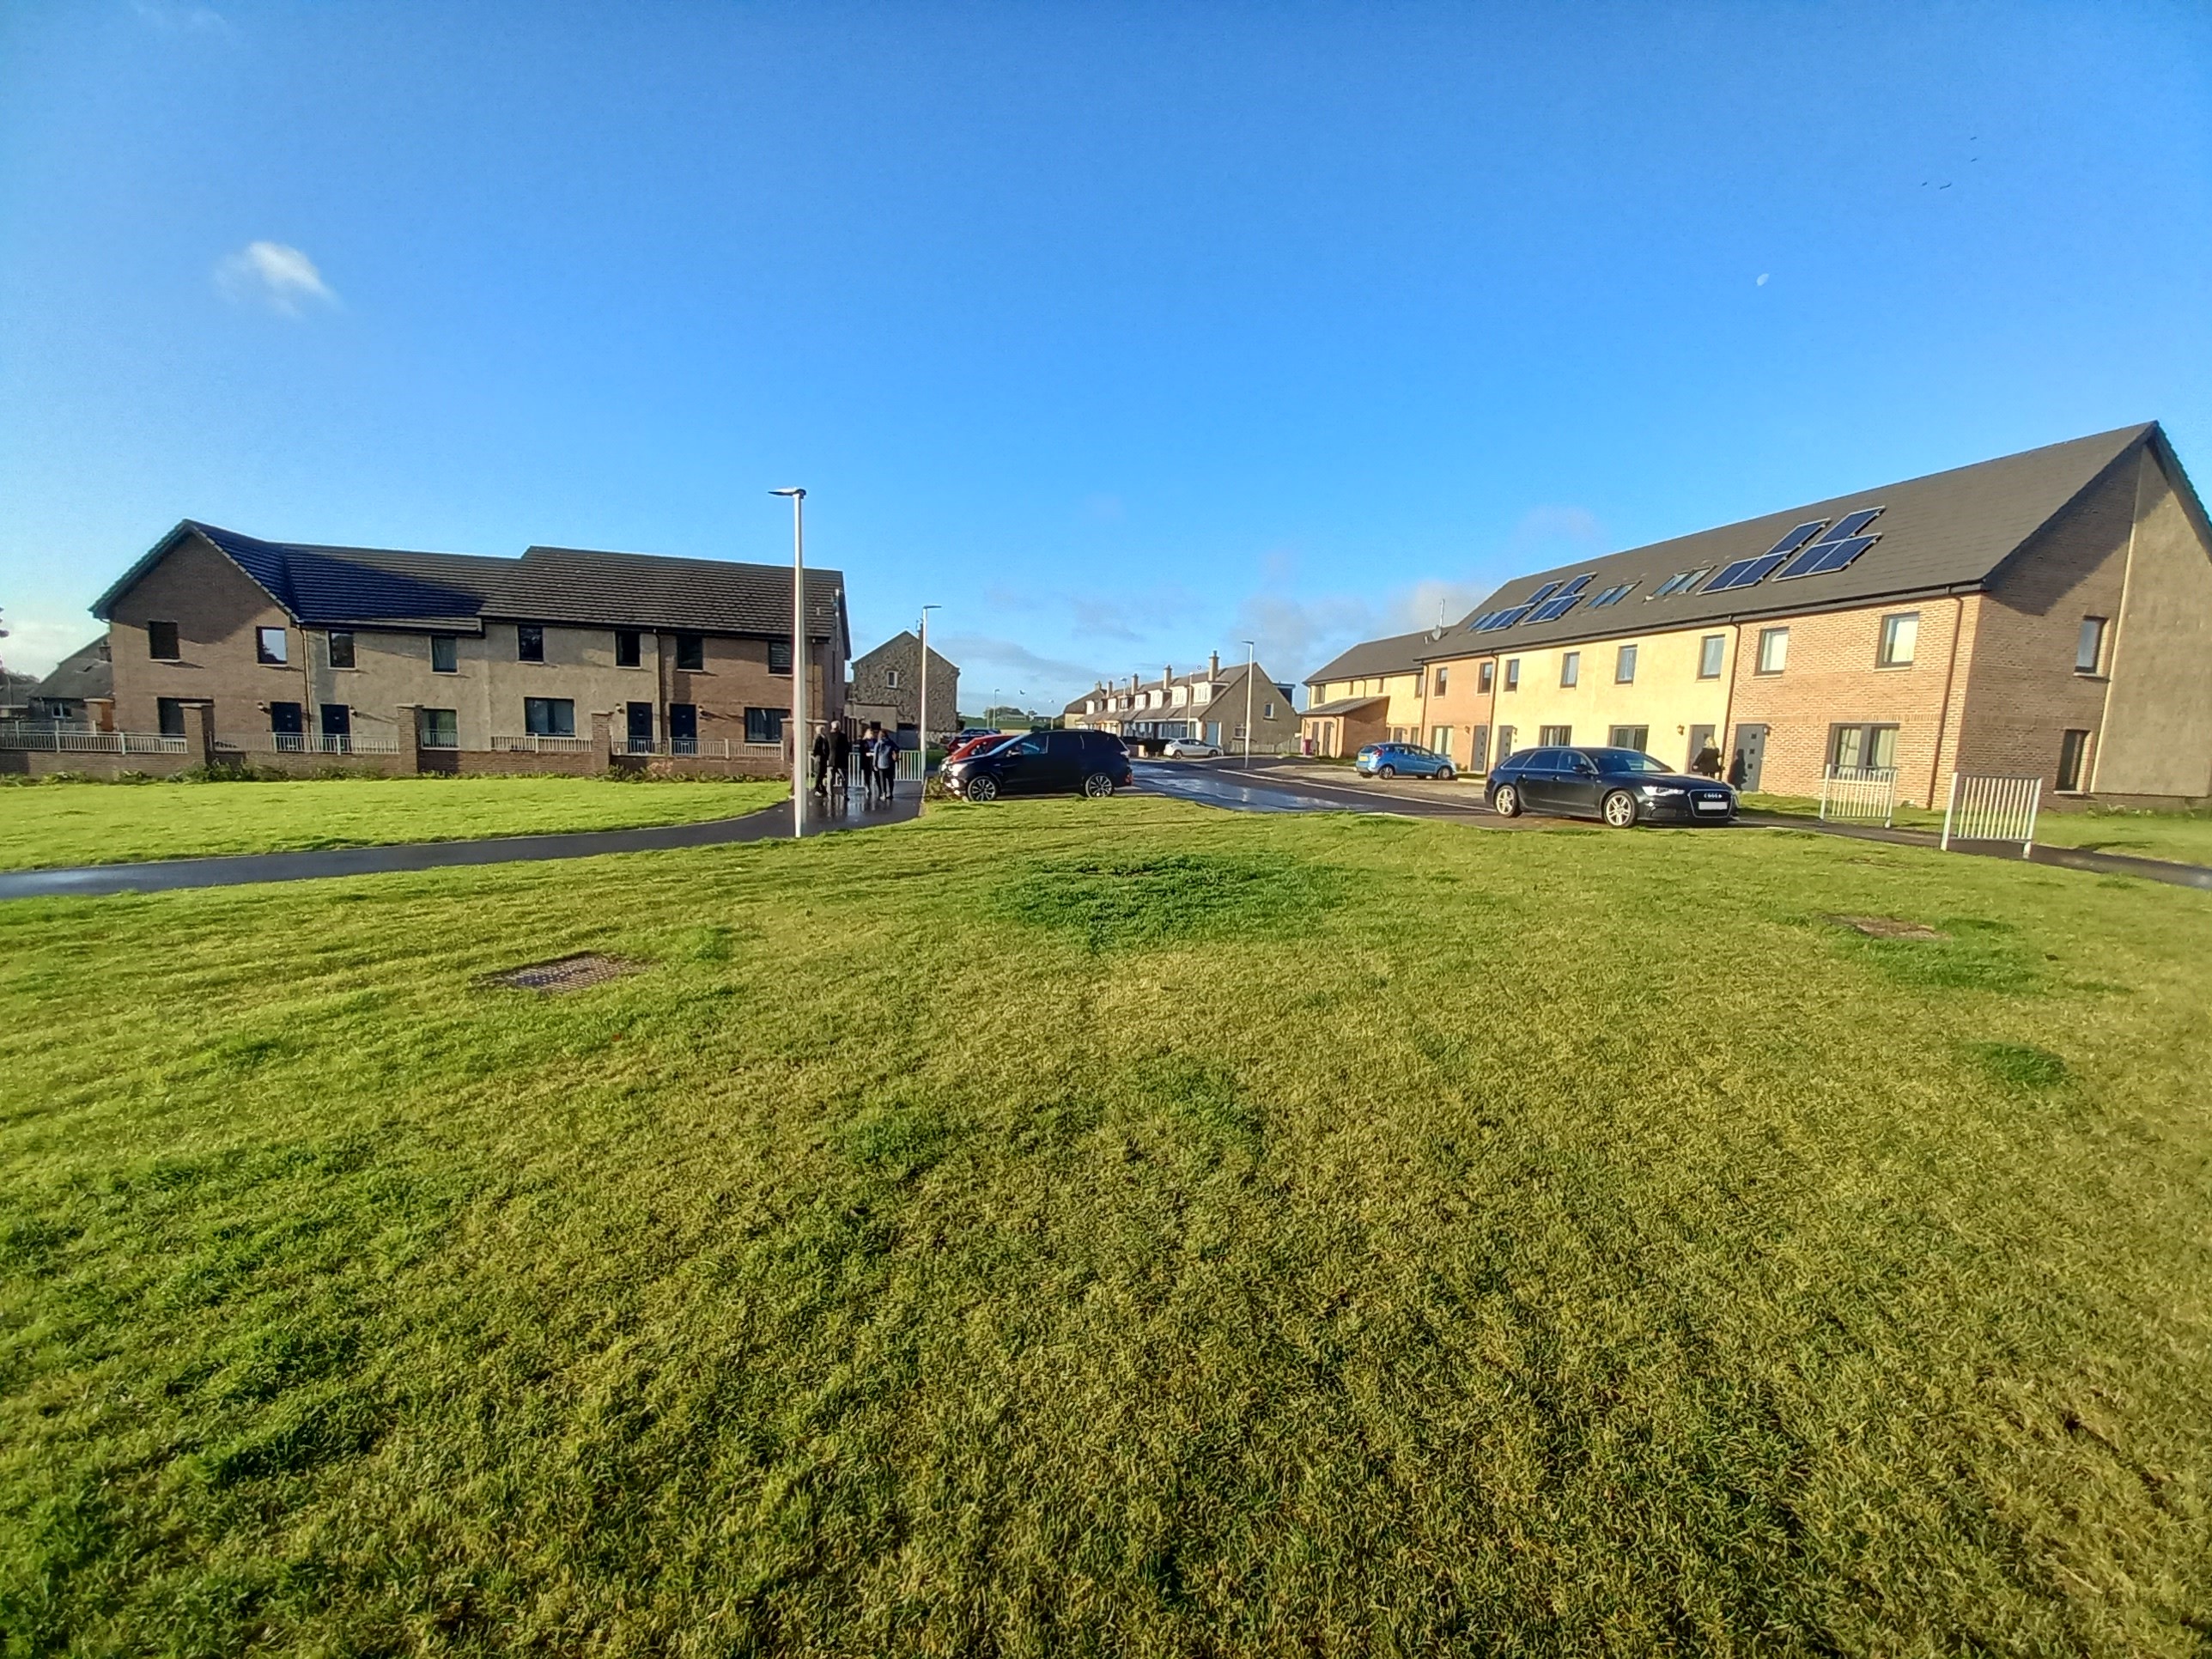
820	760
841	758
1708	762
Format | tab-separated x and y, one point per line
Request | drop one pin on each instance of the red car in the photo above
976	745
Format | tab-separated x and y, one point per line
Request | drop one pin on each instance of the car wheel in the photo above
1447	775
1386	771
982	789
1620	809
1098	786
1507	802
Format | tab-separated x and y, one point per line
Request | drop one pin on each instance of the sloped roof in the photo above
1946	531
1343	706
904	636
1401	654
646	590
368	586
87	672
326	587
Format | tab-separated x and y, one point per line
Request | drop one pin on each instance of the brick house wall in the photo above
2157	735
217	609
2020	691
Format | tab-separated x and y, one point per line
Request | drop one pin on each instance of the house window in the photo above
171	714
1513	673
438	728
1624	673
1420	686
1571	668
1773	650
1900	638
1440	740
1711	651
1630	737
890	678
691	652
162	643
1268	713
529	643
1872	748
1554	736
779	657
1443	676
764	724
1482	678
2089	645
269	644
626	652
445	654
549	717
2073	761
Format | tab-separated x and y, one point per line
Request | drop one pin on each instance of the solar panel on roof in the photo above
1834	555
1744	572
1852	522
1543	593
1613	595
1554	608
1506	618
1576	585
1797	537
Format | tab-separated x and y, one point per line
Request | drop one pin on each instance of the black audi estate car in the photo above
1092	763
1621	786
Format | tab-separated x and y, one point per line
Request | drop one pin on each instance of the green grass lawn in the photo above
1120	1228
55	825
2178	836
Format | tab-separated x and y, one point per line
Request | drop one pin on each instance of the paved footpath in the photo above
166	875
1289	787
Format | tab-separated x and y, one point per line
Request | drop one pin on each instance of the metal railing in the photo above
1992	808
534	744
677	748
331	743
57	737
1858	795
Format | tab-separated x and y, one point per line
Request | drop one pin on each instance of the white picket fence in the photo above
54	737
1858	795
1992	808
331	743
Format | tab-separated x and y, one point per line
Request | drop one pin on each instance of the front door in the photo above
683	728
284	719
1700	737
1750	754
337	725
640	727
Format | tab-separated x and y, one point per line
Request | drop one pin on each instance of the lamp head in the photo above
795	493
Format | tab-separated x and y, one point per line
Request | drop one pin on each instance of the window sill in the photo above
2086	674
1891	667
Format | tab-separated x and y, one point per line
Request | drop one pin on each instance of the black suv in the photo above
1043	763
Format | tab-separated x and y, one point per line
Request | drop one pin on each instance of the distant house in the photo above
287	648
1373	693
1208	704
81	686
886	689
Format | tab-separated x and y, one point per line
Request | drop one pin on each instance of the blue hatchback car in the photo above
1391	760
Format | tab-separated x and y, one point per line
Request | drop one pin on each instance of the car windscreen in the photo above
1626	760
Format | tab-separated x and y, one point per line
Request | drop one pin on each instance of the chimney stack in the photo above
1167	674
1213	665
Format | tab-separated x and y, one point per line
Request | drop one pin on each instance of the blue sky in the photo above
1124	332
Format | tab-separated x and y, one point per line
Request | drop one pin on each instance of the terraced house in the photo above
2046	614
1208	704
563	659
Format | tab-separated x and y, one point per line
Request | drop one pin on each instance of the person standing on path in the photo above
1708	762
886	763
820	760
841	758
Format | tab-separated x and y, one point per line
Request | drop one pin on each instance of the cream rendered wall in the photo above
1666	695
2157	733
1404	690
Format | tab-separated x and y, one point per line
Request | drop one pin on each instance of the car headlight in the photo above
1658	790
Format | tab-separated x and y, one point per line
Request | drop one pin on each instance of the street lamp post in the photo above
798	658
1251	662
925	610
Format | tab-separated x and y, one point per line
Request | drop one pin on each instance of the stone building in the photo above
886	689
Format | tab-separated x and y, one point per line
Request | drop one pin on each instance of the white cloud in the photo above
271	274
180	19
35	644
1761	282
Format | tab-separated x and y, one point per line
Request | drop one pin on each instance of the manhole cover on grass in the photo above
1888	927
565	974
